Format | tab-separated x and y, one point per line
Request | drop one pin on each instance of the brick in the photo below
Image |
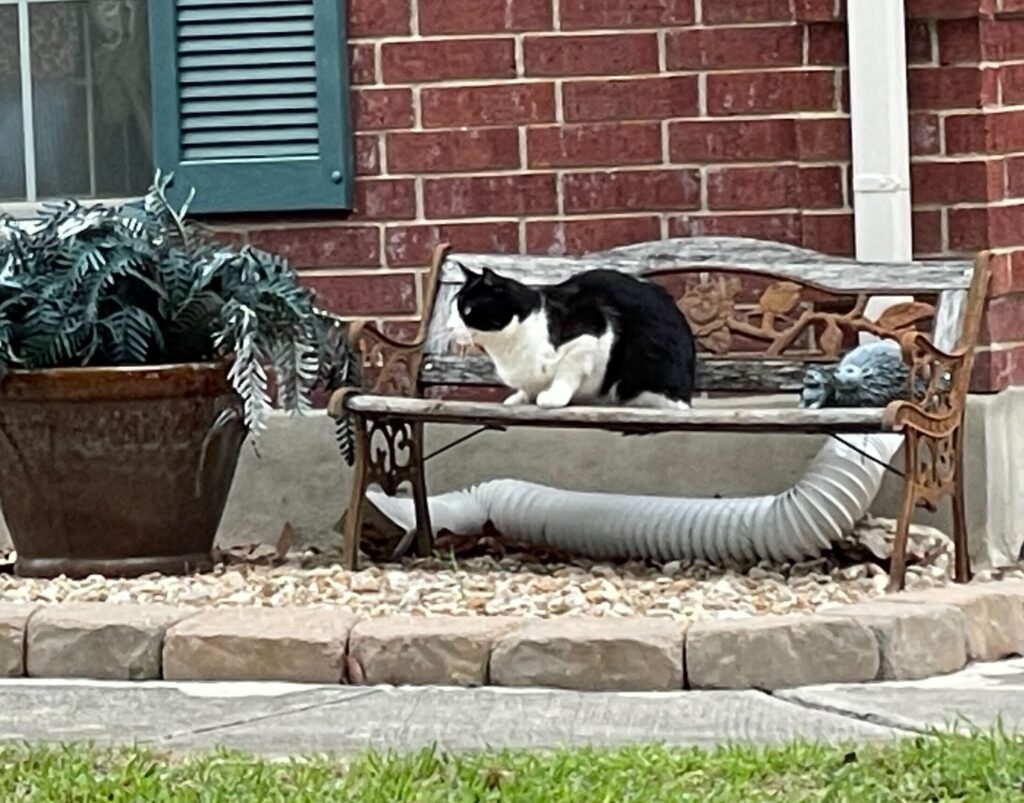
926	229
378	109
826	44
367	154
379	17
1007	274
361	295
784	227
321	246
432	61
959	41
771	92
951	87
915	641
362	66
388	199
988	133
732	140
575	236
828	233
304	645
412	245
453	151
99	640
1001	39
777	652
13	622
597	14
502	104
1004	319
823	139
750	188
818	10
924	134
631	190
594	144
420	651
919	42
956	182
998	369
603	54
591	655
483	16
948	9
975	229
820	187
1011	83
632	99
732	48
727	11
487	196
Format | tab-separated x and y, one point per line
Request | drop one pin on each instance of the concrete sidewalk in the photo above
278	719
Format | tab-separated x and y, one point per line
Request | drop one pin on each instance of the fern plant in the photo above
142	285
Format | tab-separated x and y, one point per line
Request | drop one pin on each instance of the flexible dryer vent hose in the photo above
797	524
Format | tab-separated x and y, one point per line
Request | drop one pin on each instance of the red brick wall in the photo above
561	126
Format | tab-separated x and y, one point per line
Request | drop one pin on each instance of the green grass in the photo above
986	767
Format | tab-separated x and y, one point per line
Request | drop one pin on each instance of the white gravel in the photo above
486	586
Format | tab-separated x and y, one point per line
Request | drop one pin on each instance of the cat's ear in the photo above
490	277
467	273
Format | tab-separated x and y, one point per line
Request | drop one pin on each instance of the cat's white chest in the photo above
522	353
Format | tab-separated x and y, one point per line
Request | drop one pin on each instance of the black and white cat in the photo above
601	337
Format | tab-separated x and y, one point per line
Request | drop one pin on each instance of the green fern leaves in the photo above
141	285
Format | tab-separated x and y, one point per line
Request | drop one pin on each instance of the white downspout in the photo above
880	134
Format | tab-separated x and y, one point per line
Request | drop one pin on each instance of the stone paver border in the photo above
899	637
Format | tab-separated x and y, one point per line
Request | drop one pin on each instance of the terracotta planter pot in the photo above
117	471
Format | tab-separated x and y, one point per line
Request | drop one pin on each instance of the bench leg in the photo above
356	511
418	480
962	564
898	561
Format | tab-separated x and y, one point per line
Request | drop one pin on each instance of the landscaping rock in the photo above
591	655
449	651
915	641
994	616
776	652
97	640
304	645
13	621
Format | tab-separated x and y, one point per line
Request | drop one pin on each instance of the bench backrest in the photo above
762	311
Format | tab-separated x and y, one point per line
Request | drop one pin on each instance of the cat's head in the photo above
488	303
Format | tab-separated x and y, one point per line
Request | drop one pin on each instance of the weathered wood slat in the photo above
726	376
696	254
622	419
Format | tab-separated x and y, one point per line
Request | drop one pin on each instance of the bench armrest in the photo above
938	386
389	367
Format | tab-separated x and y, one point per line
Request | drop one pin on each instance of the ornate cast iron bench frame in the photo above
762	312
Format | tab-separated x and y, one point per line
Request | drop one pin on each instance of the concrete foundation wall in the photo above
301	479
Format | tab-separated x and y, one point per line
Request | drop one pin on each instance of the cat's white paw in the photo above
554	397
519	397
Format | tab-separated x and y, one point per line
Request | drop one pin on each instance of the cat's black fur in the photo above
653	350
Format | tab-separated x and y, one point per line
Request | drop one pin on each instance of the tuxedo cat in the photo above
600	337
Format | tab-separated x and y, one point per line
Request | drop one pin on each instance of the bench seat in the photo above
624	419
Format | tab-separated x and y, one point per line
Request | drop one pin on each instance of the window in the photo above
244	100
74	99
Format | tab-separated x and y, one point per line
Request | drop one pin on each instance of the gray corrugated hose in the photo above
797	524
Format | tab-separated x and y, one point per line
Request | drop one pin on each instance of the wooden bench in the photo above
763	312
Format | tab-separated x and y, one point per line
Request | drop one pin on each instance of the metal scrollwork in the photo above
783	320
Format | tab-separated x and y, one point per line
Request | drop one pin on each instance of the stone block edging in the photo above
899	637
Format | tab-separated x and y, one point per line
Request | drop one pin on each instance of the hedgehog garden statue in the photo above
872	375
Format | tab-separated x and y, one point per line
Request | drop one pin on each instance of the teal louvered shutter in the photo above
250	103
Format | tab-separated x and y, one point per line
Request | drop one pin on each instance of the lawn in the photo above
987	767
